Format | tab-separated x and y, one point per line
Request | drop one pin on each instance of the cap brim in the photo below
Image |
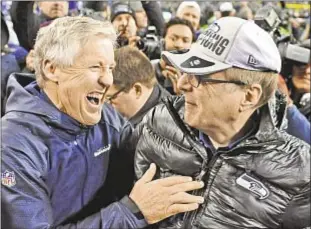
193	61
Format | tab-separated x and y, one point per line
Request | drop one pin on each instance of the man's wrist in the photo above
131	205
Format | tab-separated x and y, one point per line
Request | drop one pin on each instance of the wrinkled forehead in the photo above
97	50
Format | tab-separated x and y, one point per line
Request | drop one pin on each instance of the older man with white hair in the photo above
190	10
59	142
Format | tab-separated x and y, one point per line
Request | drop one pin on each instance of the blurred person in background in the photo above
26	23
135	89
207	15
191	11
124	21
100	7
9	63
226	9
178	35
297	76
244	11
141	18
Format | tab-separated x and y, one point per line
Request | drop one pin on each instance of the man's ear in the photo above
138	89
49	71
251	97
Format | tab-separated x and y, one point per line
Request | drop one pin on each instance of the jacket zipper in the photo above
206	170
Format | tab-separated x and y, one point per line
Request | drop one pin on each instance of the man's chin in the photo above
90	120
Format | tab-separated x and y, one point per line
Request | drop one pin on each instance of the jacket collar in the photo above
155	97
272	118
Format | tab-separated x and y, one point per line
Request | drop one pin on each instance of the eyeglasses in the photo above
196	80
109	98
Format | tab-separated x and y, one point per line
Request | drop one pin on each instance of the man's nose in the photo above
178	44
183	84
106	78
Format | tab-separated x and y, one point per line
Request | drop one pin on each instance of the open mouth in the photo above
95	98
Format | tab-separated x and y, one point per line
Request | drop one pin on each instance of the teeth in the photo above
95	95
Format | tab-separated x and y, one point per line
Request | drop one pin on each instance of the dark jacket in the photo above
8	66
262	182
154	14
158	93
26	24
53	168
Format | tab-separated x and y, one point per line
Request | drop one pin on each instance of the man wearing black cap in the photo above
124	22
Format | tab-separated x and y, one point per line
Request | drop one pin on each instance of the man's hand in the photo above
165	197
133	40
172	74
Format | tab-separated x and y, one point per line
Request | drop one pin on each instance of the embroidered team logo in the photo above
102	150
253	186
8	178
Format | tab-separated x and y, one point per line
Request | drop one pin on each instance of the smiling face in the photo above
210	105
125	25
178	37
80	89
192	15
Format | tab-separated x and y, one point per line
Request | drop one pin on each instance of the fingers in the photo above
179	208
171	69
149	174
170	181
189	186
186	198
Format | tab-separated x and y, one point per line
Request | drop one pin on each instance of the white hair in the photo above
62	40
185	4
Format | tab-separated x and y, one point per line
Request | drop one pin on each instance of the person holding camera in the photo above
124	22
178	35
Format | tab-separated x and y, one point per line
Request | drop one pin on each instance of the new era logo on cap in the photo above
228	42
252	60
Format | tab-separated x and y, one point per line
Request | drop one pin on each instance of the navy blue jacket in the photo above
298	124
53	167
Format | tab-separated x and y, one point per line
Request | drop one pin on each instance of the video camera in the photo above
150	44
268	19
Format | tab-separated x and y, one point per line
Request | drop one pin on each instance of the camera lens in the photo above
140	44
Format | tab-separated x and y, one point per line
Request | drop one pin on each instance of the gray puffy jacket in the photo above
263	182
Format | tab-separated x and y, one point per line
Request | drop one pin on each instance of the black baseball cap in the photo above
121	8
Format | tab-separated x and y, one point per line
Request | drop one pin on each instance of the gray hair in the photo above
62	40
183	5
267	80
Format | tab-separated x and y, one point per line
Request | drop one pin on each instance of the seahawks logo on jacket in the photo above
253	185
